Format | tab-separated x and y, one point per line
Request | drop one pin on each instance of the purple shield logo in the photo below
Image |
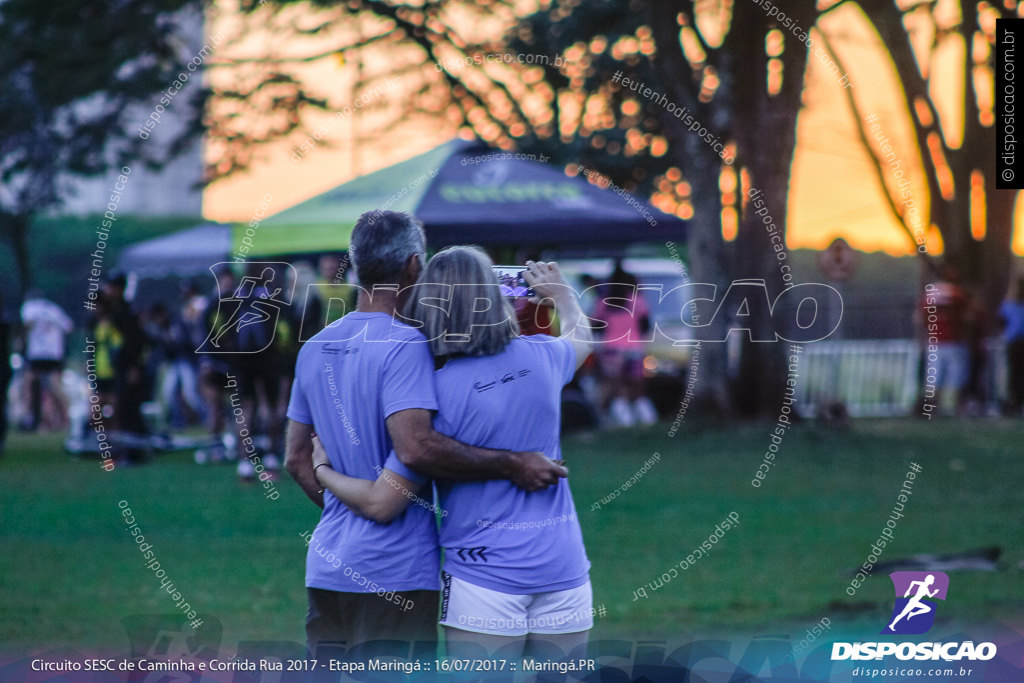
914	612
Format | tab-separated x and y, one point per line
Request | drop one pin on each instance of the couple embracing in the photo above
432	387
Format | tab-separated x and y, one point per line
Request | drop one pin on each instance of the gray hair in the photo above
462	278
381	244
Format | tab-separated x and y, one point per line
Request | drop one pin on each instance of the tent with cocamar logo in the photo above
466	193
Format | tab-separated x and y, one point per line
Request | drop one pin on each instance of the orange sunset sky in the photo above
834	187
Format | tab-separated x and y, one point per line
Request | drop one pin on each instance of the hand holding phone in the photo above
547	282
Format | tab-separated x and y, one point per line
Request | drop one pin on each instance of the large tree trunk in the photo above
764	125
764	128
995	255
708	259
709	263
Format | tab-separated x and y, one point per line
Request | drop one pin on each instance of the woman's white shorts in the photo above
469	607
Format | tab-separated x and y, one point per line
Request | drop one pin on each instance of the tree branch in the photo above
851	100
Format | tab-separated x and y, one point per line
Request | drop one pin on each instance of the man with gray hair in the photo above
365	386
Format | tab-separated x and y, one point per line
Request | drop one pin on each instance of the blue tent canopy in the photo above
183	253
467	193
488	196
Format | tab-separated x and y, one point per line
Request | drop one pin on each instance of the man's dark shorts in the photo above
343	620
44	366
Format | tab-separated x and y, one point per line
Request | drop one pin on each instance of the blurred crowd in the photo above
957	360
200	361
218	361
617	369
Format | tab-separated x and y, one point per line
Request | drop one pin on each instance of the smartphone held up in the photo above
510	279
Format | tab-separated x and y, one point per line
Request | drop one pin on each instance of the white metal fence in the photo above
878	378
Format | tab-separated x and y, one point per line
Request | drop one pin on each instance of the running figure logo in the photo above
914	612
247	313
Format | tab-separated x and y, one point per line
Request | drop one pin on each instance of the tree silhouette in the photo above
73	72
730	67
956	153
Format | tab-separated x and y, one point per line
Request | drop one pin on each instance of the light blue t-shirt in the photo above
1013	313
494	534
348	379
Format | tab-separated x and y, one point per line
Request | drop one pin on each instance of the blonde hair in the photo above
477	320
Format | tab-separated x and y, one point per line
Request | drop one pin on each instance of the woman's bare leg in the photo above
461	644
545	646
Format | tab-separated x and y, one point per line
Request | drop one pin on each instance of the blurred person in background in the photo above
979	388
178	384
7	327
193	313
627	322
328	299
46	327
214	368
261	339
129	369
153	320
950	306
193	318
1011	313
107	342
287	340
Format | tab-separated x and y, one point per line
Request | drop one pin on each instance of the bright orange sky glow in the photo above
834	190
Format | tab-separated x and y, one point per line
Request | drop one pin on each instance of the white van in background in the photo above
665	362
657	278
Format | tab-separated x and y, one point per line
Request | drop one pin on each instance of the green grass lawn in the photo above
69	572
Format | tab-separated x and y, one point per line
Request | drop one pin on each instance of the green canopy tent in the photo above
465	192
325	222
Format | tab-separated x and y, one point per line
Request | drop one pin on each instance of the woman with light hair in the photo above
516	575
